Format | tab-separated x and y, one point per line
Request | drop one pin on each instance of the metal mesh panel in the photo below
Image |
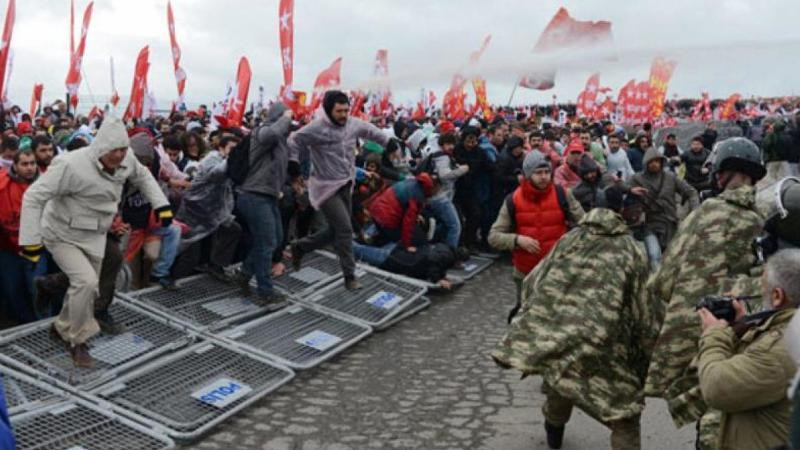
201	302
23	393
169	391
380	298
318	268
473	266
416	306
76	425
299	337
32	348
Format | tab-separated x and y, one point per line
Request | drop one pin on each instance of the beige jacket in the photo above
75	200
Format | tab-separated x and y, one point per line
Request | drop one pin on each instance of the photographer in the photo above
746	377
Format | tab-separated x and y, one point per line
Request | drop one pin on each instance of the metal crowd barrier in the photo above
201	303
416	306
472	267
298	337
319	267
188	392
45	417
30	348
382	296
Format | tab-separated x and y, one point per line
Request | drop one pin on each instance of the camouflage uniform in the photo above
711	248
585	327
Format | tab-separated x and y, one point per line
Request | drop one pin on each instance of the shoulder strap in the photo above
512	210
563	203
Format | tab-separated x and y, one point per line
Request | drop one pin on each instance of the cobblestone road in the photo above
426	383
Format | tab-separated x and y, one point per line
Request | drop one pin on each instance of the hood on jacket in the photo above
275	112
416	139
426	181
111	136
588	165
603	221
651	154
514	142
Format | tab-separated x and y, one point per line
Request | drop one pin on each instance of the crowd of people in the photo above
613	239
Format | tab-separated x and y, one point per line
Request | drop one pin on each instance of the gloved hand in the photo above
164	214
32	252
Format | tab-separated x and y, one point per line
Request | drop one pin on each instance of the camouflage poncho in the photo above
712	246
584	325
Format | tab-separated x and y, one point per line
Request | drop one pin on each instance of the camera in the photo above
719	305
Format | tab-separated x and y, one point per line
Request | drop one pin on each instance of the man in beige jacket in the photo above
69	210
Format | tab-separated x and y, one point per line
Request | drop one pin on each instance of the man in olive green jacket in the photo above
746	377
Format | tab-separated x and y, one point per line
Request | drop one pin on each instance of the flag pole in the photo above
513	91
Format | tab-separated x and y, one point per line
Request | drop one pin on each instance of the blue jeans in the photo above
653	247
263	217
372	255
170	240
16	285
445	213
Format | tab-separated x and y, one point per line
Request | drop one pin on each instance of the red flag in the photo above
624	100
481	97
587	99
419	112
139	87
431	99
73	80
36	98
453	102
642	101
238	102
95	112
605	109
5	45
729	108
326	80
286	36
660	73
380	101
180	75
476	56
564	32
702	109
296	101
357	100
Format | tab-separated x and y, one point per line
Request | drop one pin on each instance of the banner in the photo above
328	79
73	80
36	98
139	87
5	47
702	110
286	37
660	73
562	33
642	102
180	74
625	101
238	103
379	100
481	97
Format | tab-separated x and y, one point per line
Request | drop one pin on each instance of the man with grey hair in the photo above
744	371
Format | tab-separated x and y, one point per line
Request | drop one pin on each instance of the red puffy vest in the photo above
537	214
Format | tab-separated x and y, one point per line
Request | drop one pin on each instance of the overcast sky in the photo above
721	46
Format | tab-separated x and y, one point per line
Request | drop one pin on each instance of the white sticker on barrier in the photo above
77	447
308	275
230	307
319	340
118	349
470	267
385	300
222	392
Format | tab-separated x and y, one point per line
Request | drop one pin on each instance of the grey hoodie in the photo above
269	154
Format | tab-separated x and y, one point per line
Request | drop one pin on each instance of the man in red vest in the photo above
533	218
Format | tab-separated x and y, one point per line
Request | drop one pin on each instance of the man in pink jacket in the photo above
566	175
330	141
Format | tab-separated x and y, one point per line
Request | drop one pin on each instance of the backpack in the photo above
239	161
562	203
428	164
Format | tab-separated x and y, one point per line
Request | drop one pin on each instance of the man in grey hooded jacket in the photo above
69	209
331	142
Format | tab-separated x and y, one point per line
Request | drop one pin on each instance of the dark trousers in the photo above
472	212
264	222
217	249
338	230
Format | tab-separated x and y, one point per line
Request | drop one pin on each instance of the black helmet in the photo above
740	155
784	220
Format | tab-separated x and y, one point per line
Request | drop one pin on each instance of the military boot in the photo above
555	435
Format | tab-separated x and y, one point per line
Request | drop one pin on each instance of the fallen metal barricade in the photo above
472	267
318	268
416	306
190	391
298	337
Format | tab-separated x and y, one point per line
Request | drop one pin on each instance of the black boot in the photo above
555	435
107	323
